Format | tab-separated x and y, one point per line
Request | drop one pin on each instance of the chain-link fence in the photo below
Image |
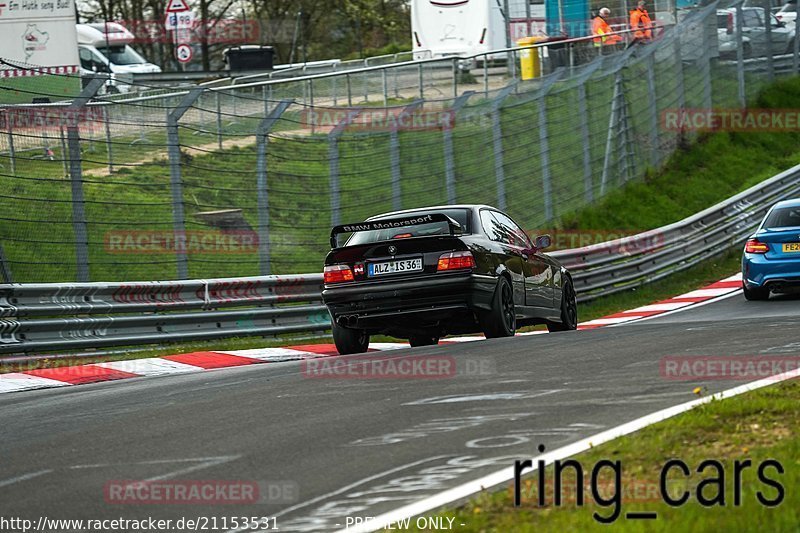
248	179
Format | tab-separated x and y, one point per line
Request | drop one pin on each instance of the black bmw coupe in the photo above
425	273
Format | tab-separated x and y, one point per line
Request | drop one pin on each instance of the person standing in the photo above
603	34
641	24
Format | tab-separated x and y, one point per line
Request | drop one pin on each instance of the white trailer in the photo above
462	28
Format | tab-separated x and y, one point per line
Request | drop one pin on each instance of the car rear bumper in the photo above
777	275
409	304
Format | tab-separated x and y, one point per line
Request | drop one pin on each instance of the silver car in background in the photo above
754	33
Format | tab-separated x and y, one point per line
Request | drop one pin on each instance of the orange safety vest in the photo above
641	24
601	29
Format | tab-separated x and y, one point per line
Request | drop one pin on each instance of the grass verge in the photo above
757	426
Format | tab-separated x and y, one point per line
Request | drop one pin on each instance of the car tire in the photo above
349	341
756	293
423	340
569	310
501	321
747	52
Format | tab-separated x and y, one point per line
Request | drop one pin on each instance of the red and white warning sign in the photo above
179	16
184	53
177	6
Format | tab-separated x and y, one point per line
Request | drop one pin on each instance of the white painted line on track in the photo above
665	306
24	477
152	366
706	293
270	354
507	474
15	381
689	308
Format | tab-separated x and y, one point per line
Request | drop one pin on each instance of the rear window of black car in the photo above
423	230
786	217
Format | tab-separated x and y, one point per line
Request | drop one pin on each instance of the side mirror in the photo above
543	242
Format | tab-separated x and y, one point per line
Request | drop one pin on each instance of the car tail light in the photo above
337	274
455	261
730	23
754	246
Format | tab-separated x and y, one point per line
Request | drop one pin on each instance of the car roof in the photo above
433	208
794	202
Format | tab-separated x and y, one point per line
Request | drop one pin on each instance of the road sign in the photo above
184	53
179	21
177	6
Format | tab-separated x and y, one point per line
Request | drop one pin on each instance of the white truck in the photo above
37	37
104	48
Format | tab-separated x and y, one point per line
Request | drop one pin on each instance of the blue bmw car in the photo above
771	259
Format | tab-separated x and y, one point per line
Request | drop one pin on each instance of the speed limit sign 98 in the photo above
184	53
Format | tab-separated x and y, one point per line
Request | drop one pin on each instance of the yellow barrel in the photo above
530	65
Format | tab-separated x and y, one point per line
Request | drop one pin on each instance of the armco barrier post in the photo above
740	55
497	144
544	145
612	124
652	99
10	129
583	113
766	4
385	83
449	157
394	153
333	162
262	187
796	42
109	150
79	223
219	119
679	81
64	151
5	268
421	86
707	101
176	182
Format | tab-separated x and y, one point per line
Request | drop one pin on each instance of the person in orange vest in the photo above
603	33
641	23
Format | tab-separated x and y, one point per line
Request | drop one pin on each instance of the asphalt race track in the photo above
358	447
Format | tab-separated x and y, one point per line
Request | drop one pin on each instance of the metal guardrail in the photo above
48	317
622	264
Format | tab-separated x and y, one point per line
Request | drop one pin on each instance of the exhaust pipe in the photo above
347	321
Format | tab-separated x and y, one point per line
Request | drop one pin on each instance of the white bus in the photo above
442	28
